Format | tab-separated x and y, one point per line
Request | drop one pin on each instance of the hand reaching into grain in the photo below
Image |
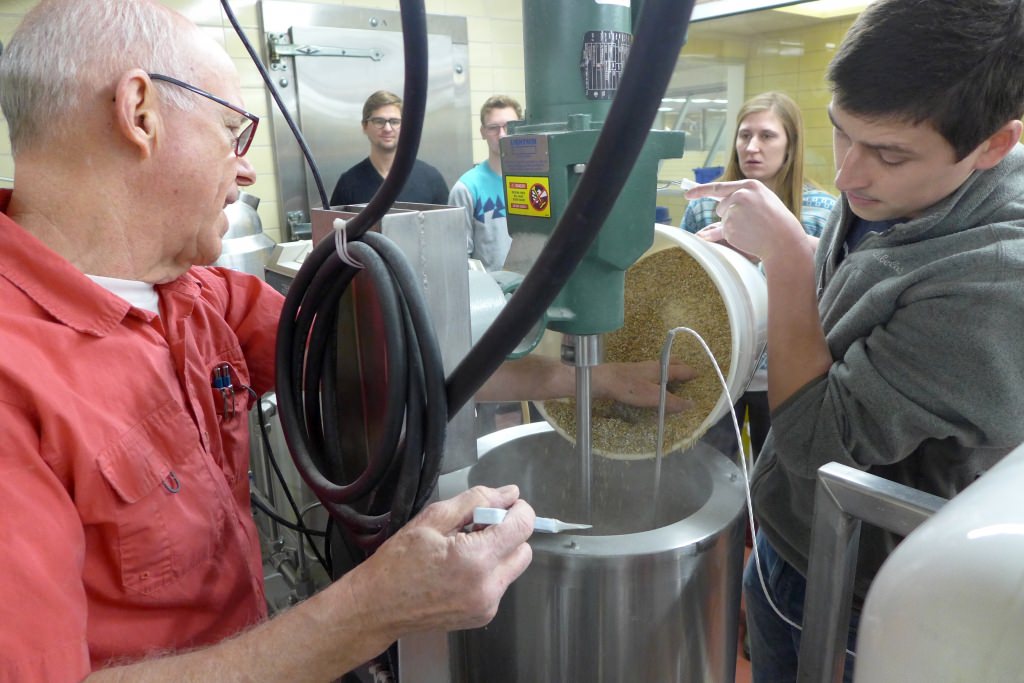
639	384
539	378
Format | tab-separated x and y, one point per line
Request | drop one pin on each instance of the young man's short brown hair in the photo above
961	72
500	102
381	98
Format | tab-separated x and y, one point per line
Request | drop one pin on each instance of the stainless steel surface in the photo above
584	351
584	452
843	499
291	571
243	219
284	263
245	247
280	50
433	239
636	598
424	657
325	94
248	254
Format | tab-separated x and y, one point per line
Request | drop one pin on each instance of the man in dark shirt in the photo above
382	123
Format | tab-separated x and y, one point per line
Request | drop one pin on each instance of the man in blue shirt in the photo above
481	191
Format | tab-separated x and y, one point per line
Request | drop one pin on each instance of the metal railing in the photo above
844	498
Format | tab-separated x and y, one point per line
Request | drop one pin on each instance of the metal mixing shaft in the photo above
583	352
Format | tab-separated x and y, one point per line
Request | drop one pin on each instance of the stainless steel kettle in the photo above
245	246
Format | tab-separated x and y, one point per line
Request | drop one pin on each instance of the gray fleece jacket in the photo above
925	323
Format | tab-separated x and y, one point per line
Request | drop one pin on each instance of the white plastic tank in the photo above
947	606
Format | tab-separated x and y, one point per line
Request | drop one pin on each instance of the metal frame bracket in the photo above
844	497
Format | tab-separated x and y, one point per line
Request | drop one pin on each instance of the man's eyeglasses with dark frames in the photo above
380	122
247	134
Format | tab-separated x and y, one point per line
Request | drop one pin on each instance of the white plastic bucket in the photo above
742	289
745	294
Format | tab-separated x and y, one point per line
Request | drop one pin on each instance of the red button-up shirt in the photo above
124	494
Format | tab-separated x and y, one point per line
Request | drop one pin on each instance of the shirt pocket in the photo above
231	405
166	516
231	372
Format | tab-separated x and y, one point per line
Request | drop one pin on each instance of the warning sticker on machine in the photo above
528	196
603	59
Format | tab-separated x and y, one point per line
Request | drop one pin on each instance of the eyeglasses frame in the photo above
386	122
492	128
254	120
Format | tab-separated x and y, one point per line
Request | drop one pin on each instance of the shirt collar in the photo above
59	288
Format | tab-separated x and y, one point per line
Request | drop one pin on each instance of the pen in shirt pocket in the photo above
223	386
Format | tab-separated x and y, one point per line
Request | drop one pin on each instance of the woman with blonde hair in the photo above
768	147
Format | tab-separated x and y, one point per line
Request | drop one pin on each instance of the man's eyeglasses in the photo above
247	134
493	128
380	122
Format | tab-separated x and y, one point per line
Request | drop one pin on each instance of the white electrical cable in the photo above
341	244
665	356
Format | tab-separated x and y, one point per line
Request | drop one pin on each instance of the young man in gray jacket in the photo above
896	344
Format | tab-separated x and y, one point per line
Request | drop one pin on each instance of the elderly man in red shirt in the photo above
125	494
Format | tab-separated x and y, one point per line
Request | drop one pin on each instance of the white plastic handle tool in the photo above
688	184
543	524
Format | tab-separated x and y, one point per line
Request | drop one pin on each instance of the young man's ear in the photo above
999	144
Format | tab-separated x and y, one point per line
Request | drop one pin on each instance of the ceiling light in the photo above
826	9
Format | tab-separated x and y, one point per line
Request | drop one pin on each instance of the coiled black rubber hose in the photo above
400	476
407	463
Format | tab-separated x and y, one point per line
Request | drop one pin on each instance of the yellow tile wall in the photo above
794	62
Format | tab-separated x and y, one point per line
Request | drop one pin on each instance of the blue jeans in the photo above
774	644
